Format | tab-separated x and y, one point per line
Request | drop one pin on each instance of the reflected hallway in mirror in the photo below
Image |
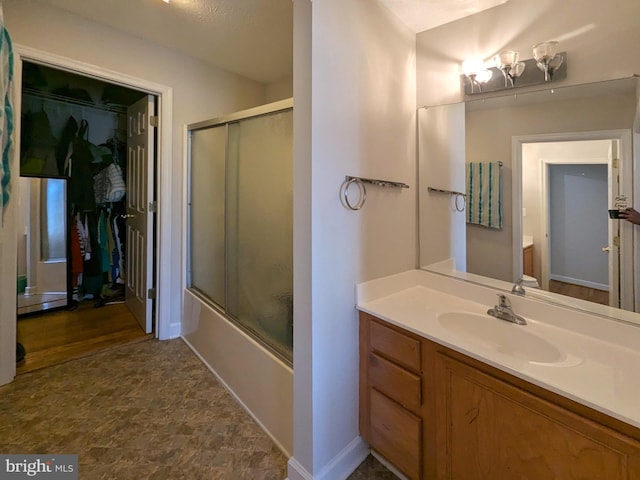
497	128
566	188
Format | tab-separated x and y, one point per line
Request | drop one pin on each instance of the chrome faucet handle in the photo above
503	311
504	301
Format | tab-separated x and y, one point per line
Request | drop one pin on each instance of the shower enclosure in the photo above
240	229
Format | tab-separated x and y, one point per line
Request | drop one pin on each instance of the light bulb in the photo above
470	67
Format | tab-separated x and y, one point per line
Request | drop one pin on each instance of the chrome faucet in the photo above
518	289
503	311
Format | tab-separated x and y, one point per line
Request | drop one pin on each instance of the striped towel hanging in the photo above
484	194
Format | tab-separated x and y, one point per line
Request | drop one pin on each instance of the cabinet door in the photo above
527	261
396	434
488	429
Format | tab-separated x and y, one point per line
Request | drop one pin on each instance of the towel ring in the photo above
362	194
460	208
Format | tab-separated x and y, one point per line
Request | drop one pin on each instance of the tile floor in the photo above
150	410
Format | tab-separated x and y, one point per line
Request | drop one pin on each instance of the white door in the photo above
140	201
613	248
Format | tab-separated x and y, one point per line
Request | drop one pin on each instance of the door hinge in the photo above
153	120
615	162
153	206
151	294
616	241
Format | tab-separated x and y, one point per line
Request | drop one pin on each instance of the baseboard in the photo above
174	330
296	471
339	468
579	282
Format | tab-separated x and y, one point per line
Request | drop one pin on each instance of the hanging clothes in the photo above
103	241
77	254
80	191
64	149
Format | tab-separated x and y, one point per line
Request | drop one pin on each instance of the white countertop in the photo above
601	357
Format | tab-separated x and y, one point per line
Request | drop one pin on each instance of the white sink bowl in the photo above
497	335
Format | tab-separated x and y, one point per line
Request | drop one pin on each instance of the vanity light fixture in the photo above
506	68
547	59
477	74
511	68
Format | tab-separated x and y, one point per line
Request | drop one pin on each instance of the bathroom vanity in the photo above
527	255
448	392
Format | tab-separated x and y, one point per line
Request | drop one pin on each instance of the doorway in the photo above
87	188
578	253
567	183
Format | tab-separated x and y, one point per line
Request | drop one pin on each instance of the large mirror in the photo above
42	245
565	157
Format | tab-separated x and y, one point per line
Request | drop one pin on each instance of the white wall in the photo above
601	39
354	90
200	91
279	90
441	165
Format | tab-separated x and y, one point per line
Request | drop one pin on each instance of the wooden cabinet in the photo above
391	394
527	260
437	414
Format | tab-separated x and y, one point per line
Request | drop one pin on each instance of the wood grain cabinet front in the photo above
527	260
391	393
489	429
434	413
397	434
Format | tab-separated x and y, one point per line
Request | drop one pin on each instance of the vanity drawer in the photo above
396	434
395	345
397	383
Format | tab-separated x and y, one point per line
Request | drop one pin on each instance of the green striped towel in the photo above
484	194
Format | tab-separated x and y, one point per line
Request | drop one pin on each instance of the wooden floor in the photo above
576	291
63	335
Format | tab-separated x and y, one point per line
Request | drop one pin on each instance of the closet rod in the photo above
39	95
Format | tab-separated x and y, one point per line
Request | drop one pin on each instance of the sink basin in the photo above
497	335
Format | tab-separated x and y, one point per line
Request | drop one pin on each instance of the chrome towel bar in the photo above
362	190
457	195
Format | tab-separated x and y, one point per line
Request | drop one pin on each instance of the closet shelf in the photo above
38	94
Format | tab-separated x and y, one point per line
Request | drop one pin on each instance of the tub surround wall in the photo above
261	382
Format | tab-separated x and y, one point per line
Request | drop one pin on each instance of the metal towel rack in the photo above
362	196
453	193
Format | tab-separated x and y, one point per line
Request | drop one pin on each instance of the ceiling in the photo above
421	15
253	38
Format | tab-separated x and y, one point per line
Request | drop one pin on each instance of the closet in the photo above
76	195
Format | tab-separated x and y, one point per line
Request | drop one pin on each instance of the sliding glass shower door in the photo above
241	222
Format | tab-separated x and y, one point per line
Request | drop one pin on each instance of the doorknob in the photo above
127	215
606	249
